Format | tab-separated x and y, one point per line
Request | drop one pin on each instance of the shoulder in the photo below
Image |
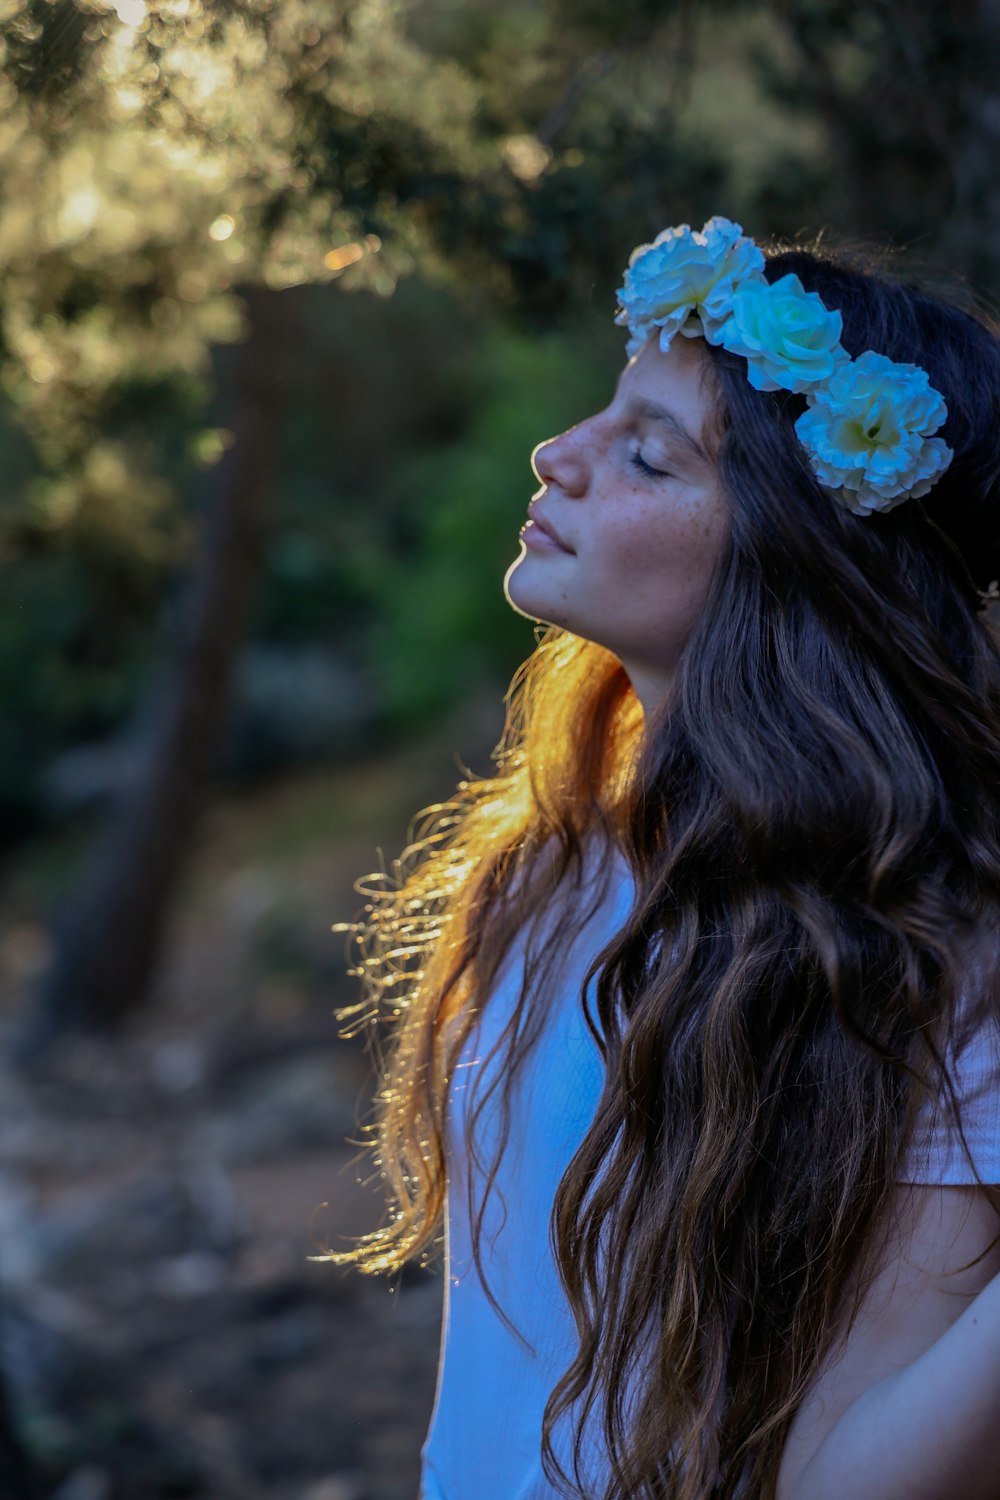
941	1251
970	1048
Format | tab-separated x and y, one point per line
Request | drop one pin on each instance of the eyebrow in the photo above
641	406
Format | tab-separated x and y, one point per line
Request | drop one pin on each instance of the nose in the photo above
562	461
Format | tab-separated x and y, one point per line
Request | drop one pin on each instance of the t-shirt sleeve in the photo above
936	1155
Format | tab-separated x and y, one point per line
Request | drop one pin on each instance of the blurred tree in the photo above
171	171
907	96
215	158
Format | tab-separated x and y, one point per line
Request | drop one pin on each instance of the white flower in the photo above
868	433
789	338
869	426
684	277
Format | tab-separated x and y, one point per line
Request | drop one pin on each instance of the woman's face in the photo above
633	494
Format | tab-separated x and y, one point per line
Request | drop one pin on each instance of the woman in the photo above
694	1003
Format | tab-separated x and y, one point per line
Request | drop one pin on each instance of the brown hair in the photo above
813	822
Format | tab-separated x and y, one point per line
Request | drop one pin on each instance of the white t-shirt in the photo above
484	1440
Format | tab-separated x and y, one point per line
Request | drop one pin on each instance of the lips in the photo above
550	531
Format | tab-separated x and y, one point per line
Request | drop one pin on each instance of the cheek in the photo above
668	555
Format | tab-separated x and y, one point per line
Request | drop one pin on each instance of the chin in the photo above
521	597
534	604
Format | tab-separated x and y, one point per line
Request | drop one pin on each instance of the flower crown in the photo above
868	426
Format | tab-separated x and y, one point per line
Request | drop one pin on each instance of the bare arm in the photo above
912	1405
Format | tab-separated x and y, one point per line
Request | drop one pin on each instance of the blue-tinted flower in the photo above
684	281
868	432
870	424
789	338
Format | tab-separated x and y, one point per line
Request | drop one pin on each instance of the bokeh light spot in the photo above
526	156
344	255
130	12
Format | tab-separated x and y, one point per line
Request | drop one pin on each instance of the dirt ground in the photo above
163	1331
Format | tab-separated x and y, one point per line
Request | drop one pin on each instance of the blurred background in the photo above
289	290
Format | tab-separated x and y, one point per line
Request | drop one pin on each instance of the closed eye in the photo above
640	463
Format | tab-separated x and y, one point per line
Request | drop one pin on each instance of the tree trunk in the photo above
110	935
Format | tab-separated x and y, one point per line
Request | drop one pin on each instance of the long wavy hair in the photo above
812	824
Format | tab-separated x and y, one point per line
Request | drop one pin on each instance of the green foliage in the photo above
401	499
444	627
378	381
